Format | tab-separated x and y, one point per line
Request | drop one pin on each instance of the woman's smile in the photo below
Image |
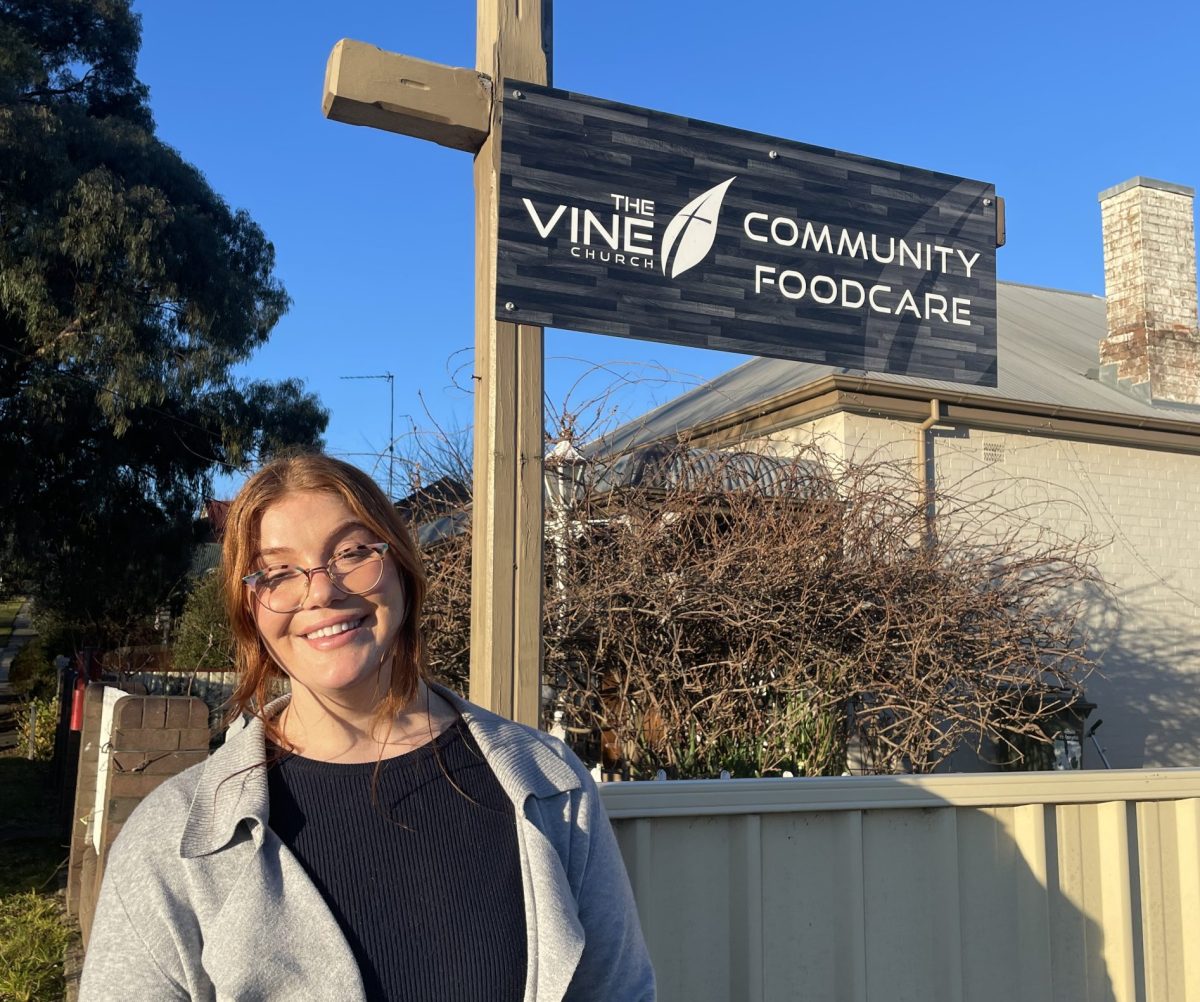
340	627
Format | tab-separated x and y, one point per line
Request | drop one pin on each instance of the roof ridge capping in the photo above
1048	288
1146	182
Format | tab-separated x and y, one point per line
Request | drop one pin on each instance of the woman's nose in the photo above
321	588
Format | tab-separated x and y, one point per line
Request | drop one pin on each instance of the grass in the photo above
8	612
33	925
33	937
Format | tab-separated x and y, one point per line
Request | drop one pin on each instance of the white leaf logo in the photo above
692	232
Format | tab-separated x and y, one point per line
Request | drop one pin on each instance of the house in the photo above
207	530
1095	422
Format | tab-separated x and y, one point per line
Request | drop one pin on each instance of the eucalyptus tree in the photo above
129	292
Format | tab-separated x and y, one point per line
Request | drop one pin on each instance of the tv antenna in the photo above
391	379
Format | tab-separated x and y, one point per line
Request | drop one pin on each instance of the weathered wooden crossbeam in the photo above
447	105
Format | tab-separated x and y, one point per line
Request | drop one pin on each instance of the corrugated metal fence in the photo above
1031	887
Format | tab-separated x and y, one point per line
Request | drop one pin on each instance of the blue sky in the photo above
1051	102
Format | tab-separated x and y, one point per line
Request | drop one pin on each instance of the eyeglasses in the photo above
283	588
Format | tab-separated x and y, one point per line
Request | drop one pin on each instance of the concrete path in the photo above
22	631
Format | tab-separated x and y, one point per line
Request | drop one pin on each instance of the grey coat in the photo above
201	900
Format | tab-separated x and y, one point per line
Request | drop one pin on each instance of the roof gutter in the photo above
880	398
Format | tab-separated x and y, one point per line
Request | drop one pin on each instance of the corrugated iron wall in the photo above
995	888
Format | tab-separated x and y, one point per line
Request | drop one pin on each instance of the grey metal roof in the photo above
206	557
663	467
445	527
1047	350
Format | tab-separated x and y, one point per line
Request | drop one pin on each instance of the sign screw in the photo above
518	95
774	154
510	306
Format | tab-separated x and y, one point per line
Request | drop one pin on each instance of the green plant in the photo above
58	634
43	724
32	674
9	608
203	639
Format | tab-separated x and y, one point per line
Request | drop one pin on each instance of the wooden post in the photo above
506	575
463	109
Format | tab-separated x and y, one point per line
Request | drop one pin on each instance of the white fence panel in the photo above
982	888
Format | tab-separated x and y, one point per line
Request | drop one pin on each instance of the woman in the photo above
372	835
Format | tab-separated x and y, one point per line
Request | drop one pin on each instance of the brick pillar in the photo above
153	738
1150	287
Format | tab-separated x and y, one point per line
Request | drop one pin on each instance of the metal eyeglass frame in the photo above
252	581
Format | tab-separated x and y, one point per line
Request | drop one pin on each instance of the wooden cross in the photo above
463	109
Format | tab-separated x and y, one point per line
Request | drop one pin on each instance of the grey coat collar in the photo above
233	783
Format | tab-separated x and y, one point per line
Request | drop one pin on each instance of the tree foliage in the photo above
203	638
129	291
32	671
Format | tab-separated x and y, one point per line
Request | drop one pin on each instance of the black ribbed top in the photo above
426	883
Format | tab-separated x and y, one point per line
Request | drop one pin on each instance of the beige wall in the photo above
1141	507
1037	887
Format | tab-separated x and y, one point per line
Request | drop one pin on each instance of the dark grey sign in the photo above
619	220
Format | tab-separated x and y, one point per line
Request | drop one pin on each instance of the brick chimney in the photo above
1150	285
